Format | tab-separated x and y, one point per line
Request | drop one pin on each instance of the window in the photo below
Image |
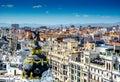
90	75
4	66
78	79
102	72
58	52
75	71
109	67
98	79
72	66
72	71
91	69
72	77
114	76
0	65
82	56
51	49
107	74
85	80
75	77
98	71
78	73
79	55
94	70
101	80
64	67
75	66
65	72
50	61
78	67
86	60
56	68
78	59
65	78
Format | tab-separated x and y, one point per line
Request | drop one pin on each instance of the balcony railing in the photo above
98	61
97	65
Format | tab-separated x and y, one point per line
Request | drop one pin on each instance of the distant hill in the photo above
59	25
101	24
5	25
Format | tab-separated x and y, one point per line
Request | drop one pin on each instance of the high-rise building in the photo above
71	63
59	58
16	26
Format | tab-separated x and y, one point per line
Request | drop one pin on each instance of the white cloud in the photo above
37	6
85	15
105	16
8	6
77	15
46	11
2	5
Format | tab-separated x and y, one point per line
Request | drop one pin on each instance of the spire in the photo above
36	40
37	46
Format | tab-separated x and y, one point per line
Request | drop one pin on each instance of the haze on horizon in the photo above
59	11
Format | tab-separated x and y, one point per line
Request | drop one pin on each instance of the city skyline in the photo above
59	12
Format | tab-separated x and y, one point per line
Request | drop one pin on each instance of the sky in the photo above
59	11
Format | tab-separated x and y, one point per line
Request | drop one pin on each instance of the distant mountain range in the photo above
21	25
59	25
102	24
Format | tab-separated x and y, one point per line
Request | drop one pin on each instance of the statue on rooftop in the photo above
36	63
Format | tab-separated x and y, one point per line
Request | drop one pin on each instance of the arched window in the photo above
109	66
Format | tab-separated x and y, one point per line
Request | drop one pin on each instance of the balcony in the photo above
97	61
16	66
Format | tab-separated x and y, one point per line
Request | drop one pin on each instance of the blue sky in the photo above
59	11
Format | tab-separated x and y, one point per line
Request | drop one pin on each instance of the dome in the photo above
36	63
27	66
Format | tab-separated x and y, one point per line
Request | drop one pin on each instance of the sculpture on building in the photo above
36	63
